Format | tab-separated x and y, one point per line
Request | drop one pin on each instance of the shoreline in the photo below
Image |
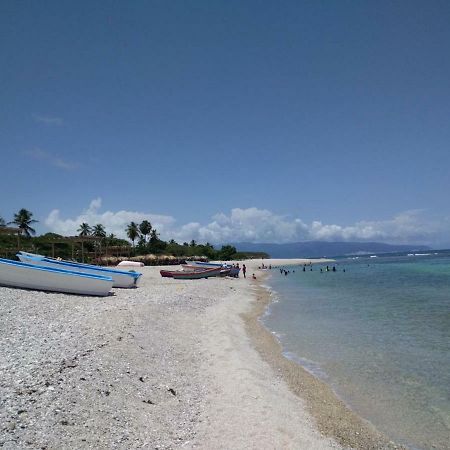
333	417
171	364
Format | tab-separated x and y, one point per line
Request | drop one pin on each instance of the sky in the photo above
223	121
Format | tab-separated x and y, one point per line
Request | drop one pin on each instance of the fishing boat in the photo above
29	276
224	271
121	278
187	274
194	275
234	271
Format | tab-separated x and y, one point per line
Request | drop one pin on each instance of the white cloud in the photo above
48	120
114	222
260	225
56	161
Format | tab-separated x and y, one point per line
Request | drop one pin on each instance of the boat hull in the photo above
121	279
190	274
196	275
27	276
196	265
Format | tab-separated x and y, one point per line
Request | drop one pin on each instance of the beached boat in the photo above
194	275
191	274
224	271
206	264
130	264
234	271
28	276
121	278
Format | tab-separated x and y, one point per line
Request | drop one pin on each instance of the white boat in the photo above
121	278
130	264
28	276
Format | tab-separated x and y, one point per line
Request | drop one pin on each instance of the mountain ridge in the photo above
314	249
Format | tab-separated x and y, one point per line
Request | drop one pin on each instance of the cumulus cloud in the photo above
48	120
56	161
260	225
114	222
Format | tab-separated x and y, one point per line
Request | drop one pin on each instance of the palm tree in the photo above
85	229
99	231
23	219
193	243
133	231
145	228
154	236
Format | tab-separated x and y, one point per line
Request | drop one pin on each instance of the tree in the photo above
111	239
208	250
133	231
145	228
99	231
23	219
85	229
154	236
227	252
193	243
156	245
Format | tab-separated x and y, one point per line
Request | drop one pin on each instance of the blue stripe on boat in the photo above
55	270
81	266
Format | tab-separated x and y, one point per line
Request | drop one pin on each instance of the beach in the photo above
170	364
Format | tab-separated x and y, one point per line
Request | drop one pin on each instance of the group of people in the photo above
327	269
244	269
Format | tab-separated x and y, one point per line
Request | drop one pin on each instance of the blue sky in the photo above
229	120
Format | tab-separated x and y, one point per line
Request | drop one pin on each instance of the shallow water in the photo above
379	333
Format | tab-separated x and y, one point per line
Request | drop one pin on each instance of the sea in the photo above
378	331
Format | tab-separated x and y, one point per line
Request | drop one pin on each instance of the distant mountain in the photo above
318	249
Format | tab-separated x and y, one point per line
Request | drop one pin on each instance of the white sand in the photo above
166	365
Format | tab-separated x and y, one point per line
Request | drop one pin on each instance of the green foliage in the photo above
227	252
148	238
99	231
85	229
23	219
133	231
251	255
145	228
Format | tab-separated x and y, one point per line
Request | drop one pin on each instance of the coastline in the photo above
333	417
171	364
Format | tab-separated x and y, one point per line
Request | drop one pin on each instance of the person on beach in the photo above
244	270
253	276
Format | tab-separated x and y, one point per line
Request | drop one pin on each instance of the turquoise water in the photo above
379	333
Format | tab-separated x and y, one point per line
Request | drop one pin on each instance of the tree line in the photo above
143	236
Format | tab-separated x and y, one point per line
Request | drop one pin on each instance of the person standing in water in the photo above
244	270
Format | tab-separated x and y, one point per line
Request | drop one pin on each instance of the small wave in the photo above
422	254
310	366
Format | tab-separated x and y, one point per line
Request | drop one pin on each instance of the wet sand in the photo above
334	419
